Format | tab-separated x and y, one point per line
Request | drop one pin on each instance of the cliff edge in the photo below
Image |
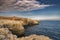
11	27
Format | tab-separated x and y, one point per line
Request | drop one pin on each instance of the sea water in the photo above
48	28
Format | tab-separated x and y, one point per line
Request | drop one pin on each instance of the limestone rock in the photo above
5	34
15	26
33	22
25	21
35	37
10	27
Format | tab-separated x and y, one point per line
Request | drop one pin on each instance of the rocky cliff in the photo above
11	27
16	24
5	34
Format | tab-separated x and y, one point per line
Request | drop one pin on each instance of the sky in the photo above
34	9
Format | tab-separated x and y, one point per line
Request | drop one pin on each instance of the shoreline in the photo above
16	27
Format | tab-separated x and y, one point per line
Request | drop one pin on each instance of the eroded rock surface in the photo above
25	21
11	27
5	34
15	26
35	37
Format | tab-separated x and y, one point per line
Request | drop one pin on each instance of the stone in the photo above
35	37
15	26
5	34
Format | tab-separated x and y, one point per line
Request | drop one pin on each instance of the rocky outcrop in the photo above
11	27
5	34
16	24
35	37
25	21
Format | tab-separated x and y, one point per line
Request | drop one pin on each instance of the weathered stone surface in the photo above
15	26
25	21
10	27
35	37
5	34
33	22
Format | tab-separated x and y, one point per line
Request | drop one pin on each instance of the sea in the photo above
50	28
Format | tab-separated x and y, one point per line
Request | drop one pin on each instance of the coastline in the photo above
16	27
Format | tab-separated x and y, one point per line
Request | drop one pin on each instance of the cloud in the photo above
21	5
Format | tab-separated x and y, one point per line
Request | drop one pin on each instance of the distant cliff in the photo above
11	18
